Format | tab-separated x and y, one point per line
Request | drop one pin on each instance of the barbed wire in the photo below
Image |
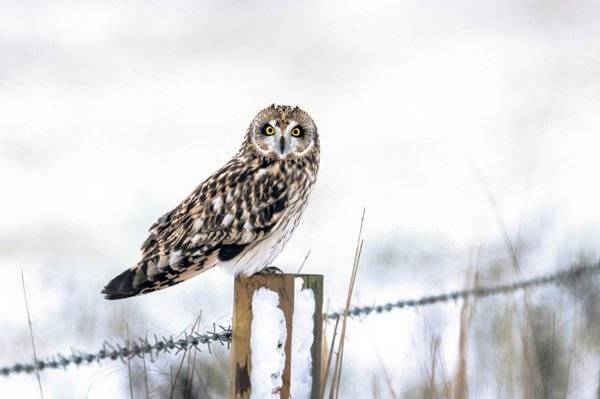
561	277
193	340
136	348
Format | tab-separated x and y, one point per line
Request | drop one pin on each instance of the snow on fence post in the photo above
277	328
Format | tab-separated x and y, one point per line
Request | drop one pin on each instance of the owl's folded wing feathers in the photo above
227	214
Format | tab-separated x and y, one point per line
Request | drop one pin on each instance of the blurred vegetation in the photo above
189	377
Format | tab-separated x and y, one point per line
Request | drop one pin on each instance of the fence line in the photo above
158	345
136	348
564	276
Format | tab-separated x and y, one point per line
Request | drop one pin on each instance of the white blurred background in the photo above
452	124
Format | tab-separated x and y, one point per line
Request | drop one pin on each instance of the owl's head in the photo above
282	132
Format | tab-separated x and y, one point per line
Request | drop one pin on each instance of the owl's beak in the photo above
282	145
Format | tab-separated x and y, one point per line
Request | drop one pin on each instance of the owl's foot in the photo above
271	270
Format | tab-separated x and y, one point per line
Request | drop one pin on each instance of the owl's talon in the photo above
271	270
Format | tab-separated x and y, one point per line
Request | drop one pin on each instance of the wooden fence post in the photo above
277	328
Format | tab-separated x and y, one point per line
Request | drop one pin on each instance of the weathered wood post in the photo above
277	328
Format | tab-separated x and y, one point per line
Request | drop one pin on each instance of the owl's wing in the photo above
232	210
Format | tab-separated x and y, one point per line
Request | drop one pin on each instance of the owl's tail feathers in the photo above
136	280
148	276
123	286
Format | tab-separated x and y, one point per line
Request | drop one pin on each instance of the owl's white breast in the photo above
262	254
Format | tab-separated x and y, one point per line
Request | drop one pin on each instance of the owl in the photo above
239	218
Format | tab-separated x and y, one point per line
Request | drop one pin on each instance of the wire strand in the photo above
137	348
561	277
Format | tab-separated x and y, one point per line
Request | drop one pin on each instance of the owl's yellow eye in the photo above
296	132
269	130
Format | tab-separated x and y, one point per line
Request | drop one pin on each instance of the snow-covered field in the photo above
111	113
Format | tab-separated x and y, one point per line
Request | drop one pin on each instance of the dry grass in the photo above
461	385
336	378
30	327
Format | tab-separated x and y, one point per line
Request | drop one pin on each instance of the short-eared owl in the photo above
242	216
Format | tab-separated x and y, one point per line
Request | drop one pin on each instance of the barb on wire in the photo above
193	340
136	348
561	277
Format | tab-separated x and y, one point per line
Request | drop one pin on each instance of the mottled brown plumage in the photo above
241	216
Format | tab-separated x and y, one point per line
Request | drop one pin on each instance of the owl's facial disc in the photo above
280	138
282	132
